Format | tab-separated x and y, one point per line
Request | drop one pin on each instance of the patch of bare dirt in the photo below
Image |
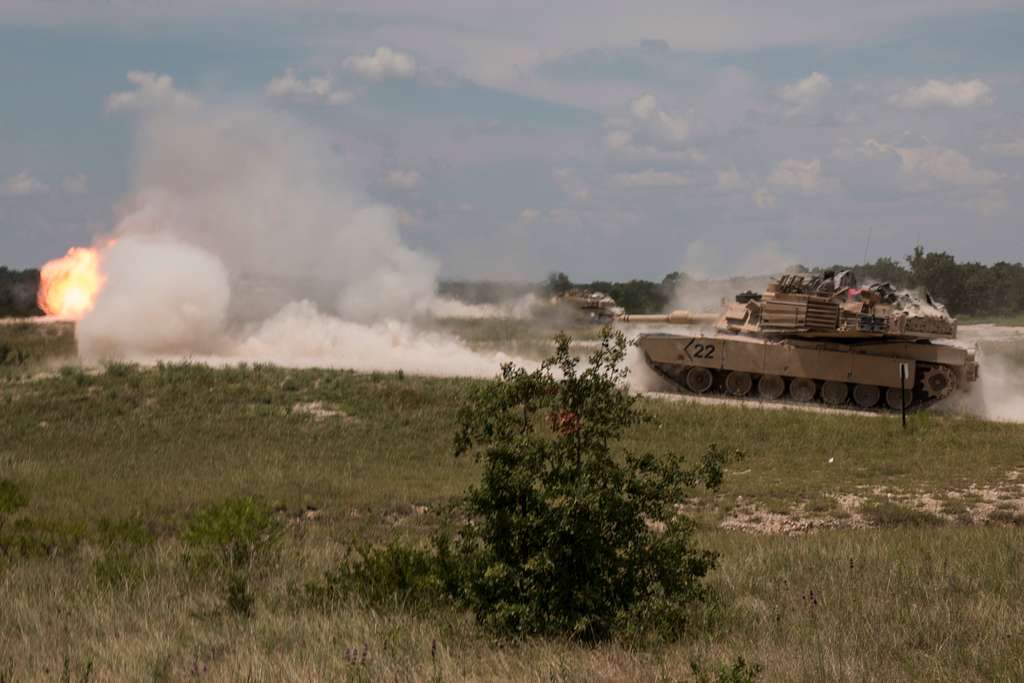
320	411
974	505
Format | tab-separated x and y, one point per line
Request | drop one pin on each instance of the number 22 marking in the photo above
705	351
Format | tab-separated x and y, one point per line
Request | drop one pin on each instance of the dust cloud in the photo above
245	239
999	391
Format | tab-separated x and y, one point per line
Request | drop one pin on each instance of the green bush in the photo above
240	599
234	539
30	538
232	536
565	534
393	576
740	671
888	514
123	544
12	499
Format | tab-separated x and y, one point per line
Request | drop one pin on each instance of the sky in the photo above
602	139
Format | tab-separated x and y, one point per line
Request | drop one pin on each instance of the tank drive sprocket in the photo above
938	381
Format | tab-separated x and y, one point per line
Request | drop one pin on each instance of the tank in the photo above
816	338
592	306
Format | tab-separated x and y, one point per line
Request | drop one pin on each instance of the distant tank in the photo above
591	305
817	338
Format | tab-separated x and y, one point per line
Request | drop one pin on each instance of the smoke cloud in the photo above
999	392
163	297
245	239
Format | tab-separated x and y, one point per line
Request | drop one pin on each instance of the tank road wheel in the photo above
834	393
866	395
739	383
894	398
699	380
938	381
802	389
771	387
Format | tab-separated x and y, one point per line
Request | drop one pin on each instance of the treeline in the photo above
18	291
971	289
966	289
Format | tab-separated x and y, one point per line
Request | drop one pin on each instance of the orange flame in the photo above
69	285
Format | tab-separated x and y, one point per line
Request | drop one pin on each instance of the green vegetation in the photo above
122	473
889	514
18	293
564	536
26	348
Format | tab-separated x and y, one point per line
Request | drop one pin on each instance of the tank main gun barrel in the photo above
673	318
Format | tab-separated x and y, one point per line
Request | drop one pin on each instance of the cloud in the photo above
651	178
649	131
315	89
1013	148
618	139
960	95
940	163
796	174
405	179
76	184
669	128
945	164
763	198
154	92
529	216
805	94
729	179
993	202
383	63
24	185
571	184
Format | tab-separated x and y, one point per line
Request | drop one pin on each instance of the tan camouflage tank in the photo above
817	338
591	306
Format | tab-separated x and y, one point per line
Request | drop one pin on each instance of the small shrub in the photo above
120	370
12	499
239	598
739	671
75	375
66	674
233	535
30	538
393	576
565	536
123	542
1008	517
889	514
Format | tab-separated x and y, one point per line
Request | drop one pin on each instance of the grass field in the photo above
912	571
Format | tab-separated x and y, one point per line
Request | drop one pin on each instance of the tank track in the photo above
676	375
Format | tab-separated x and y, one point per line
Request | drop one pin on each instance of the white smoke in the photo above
523	307
162	297
301	336
714	276
245	240
999	391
